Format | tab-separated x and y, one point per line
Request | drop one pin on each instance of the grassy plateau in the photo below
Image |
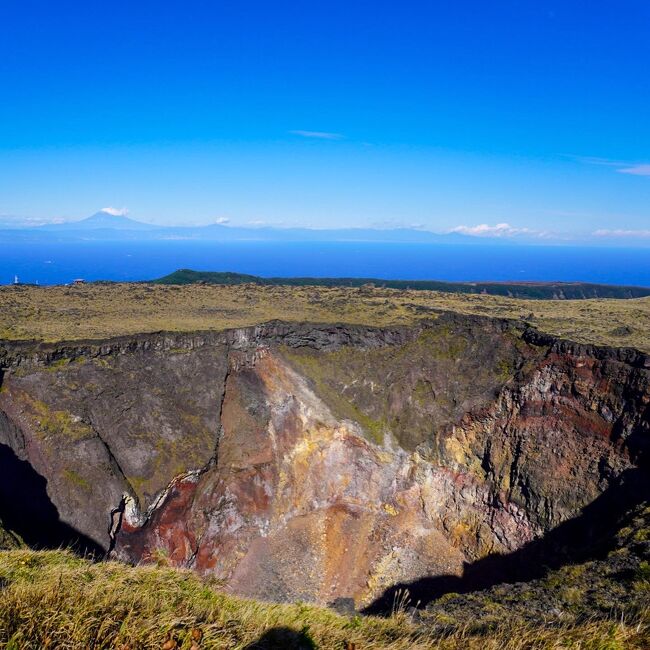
95	311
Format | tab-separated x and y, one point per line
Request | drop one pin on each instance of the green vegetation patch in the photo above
77	479
51	422
325	370
406	390
532	290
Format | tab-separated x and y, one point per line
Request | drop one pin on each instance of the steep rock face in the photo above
104	427
558	436
112	423
316	462
300	505
545	424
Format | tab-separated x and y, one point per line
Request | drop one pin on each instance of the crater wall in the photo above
317	462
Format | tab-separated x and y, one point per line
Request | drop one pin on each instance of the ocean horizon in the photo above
60	263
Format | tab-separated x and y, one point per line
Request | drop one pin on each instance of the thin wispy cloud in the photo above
319	135
621	166
595	160
622	233
222	220
392	224
636	170
264	223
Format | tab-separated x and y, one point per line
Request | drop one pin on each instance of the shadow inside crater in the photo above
27	510
589	536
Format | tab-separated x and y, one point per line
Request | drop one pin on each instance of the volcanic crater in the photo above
327	463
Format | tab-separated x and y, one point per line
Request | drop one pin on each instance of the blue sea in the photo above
57	263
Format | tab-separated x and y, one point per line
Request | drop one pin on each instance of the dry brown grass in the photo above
101	311
52	599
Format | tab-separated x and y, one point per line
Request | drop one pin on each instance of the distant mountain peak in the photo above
106	218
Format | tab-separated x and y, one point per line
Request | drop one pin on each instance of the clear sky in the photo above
445	115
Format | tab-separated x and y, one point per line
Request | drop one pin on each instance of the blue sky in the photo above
509	118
